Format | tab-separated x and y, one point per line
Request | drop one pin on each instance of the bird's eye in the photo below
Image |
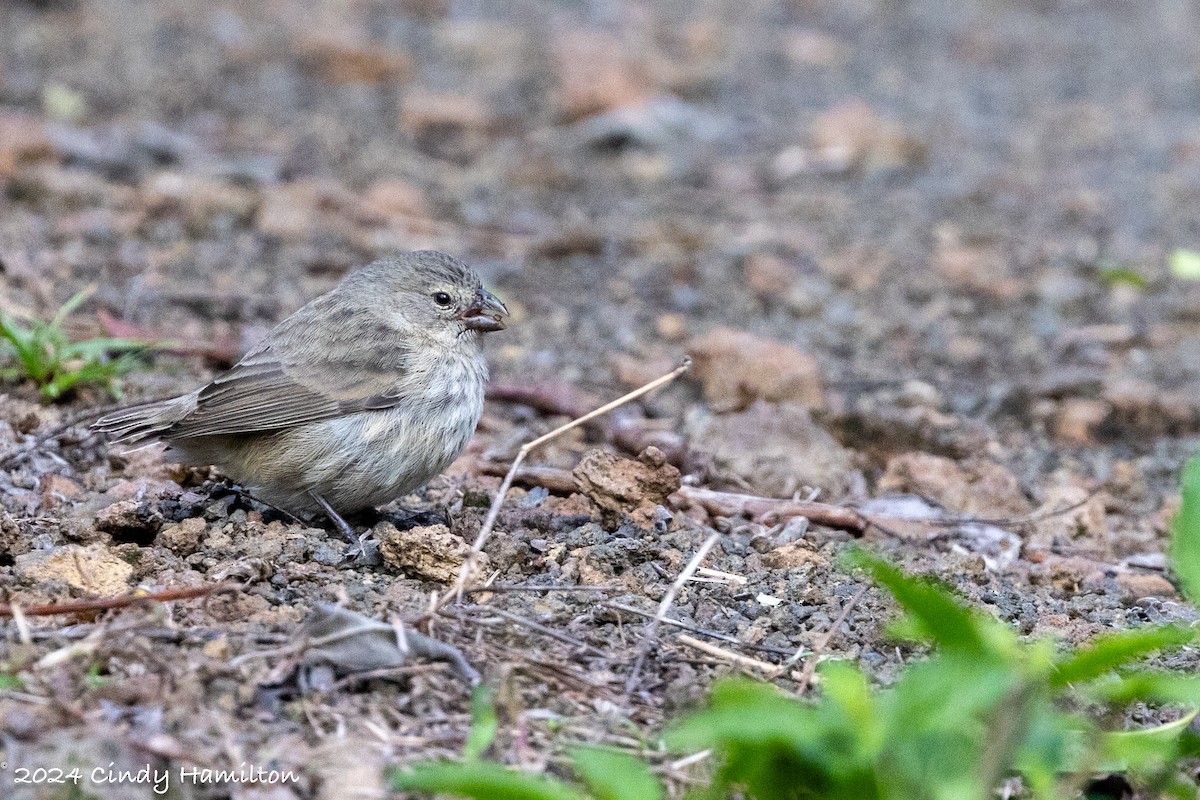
443	299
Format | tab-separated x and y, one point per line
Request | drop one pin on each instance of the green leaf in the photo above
1185	533
1144	748
1112	650
1118	276
73	303
615	776
1185	264
480	780
484	723
939	615
11	681
845	688
1146	686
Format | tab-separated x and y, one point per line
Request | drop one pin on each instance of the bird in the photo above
358	398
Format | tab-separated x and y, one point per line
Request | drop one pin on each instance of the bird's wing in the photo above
269	391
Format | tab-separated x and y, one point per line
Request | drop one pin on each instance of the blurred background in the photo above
982	196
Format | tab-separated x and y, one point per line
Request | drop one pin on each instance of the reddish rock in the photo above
625	488
594	75
92	569
979	487
768	275
12	541
737	367
1076	419
390	198
431	553
197	199
23	139
792	555
852	135
183	538
424	112
774	449
1135	586
1057	526
58	488
978	268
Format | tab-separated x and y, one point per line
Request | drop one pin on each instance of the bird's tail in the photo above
147	421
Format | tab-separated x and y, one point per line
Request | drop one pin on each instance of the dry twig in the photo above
810	666
489	521
728	504
106	603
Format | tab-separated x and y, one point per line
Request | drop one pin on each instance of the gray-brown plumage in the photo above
358	398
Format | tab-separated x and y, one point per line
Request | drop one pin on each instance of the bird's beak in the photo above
486	314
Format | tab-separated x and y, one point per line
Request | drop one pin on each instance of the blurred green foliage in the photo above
42	352
985	706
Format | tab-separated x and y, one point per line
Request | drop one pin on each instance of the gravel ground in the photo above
918	251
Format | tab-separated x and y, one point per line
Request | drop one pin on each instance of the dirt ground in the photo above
896	237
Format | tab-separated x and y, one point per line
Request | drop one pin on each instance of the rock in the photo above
23	139
793	555
809	47
1086	521
768	275
1077	418
1135	585
979	487
184	538
430	552
92	569
594	74
130	521
738	367
387	199
58	488
12	541
198	199
977	268
449	125
672	327
299	209
851	135
627	489
424	112
775	449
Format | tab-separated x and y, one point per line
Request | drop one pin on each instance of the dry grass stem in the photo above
819	648
687	626
489	522
726	655
668	600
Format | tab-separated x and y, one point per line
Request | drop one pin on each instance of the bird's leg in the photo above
358	552
343	527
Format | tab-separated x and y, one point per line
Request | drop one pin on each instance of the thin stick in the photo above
665	606
810	666
687	626
534	589
106	603
726	655
539	628
489	522
728	504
